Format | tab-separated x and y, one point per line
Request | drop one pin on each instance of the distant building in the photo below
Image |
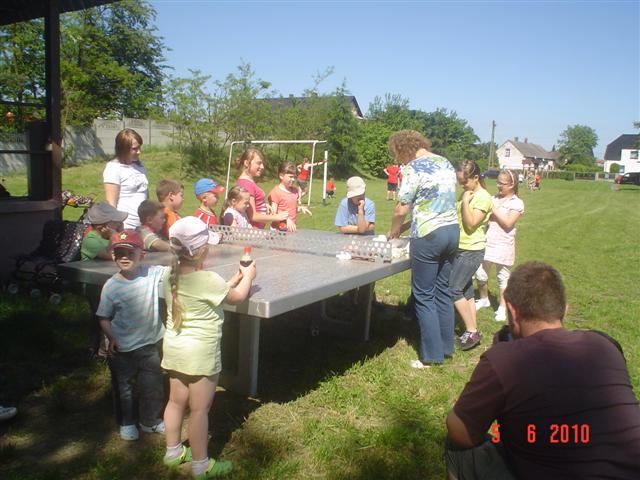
515	155
624	152
289	101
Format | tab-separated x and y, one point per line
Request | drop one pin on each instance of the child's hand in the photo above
113	347
282	216
249	272
467	195
235	280
291	226
305	210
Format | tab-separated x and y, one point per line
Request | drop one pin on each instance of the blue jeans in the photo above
465	265
431	258
139	367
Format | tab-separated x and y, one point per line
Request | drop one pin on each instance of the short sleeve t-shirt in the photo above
331	186
304	172
132	306
134	188
501	244
392	174
562	378
429	184
92	245
172	217
482	201
231	214
258	195
195	348
347	213
287	201
207	217
148	236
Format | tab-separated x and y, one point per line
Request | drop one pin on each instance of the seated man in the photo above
562	399
356	213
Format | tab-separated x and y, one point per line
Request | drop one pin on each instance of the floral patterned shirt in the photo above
429	184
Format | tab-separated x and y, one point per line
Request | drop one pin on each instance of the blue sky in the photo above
533	67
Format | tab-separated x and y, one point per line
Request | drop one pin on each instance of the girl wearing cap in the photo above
125	179
251	163
191	348
428	189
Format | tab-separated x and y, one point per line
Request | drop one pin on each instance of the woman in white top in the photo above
125	179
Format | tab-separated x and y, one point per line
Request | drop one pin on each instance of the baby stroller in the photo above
36	272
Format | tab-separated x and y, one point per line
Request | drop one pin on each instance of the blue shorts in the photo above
464	266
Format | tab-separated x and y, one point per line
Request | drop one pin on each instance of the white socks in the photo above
173	452
198	467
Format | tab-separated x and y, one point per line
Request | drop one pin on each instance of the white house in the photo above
623	151
515	155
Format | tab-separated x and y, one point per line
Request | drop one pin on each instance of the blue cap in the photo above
207	185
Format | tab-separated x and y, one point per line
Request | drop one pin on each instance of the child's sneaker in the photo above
7	412
216	468
129	432
157	428
184	457
501	314
482	303
468	340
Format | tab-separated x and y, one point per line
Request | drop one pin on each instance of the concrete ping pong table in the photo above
294	270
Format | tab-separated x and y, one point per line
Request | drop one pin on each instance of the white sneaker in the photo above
7	412
129	432
501	314
482	303
157	428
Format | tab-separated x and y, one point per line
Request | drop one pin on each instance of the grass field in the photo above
328	408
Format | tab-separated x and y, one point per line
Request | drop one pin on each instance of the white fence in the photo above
85	143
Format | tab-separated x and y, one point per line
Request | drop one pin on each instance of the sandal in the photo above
184	457
215	469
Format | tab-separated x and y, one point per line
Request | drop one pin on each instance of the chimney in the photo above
515	139
525	139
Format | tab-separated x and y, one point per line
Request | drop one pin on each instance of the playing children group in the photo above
187	347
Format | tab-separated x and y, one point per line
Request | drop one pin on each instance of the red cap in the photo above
127	238
247	249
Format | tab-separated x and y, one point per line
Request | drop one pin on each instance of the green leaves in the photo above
576	145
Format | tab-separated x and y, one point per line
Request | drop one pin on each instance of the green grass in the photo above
329	408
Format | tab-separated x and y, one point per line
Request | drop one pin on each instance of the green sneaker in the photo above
184	457
216	468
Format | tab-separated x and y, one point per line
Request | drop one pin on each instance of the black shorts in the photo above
302	184
330	192
392	187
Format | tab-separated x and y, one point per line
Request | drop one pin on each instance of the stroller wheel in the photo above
13	288
55	299
35	293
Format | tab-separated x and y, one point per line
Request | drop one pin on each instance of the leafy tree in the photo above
342	131
372	146
110	62
393	111
576	145
450	135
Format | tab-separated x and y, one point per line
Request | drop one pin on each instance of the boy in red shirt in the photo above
392	172
284	197
331	188
207	192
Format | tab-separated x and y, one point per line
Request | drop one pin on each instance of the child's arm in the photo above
240	292
256	216
386	172
233	281
471	217
159	245
305	210
507	220
105	326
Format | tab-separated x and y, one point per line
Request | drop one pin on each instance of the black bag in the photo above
61	240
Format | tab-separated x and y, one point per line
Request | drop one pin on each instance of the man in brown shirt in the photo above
561	400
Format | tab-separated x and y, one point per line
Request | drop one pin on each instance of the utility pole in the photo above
493	131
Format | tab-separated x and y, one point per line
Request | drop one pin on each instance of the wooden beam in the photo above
52	99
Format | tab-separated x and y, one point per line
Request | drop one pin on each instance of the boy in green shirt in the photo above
105	221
